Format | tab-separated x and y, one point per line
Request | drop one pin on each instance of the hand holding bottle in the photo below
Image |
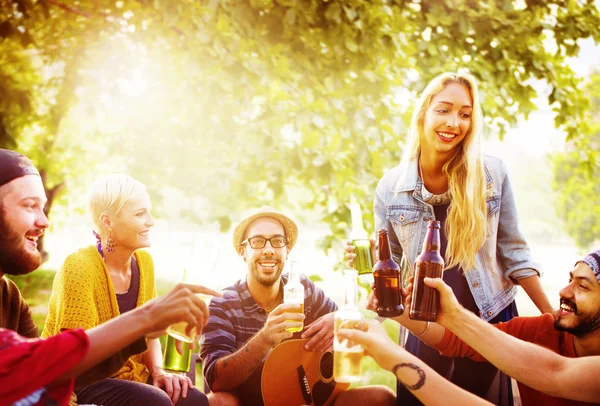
350	250
449	309
387	275
429	264
283	318
373	303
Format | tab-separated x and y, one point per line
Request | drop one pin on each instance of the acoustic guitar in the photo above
293	376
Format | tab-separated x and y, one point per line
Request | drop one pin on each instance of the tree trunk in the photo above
51	195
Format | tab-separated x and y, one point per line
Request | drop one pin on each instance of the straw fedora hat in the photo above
291	229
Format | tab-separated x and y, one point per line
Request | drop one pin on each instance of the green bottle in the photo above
172	360
363	262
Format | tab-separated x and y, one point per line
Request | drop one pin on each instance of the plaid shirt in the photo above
236	317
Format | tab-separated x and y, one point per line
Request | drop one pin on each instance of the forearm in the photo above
431	335
110	338
426	384
521	360
233	370
153	357
533	287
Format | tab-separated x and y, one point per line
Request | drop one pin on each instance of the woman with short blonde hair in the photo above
99	282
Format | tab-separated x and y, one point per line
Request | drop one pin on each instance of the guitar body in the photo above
293	376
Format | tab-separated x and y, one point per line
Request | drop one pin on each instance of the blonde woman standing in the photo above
444	176
99	282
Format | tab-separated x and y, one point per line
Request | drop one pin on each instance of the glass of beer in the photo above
178	330
347	355
363	262
173	361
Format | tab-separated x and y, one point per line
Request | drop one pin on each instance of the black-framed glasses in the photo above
277	241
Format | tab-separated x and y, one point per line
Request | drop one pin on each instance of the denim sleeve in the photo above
381	221
512	249
524	273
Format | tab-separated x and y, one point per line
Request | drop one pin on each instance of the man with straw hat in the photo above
250	319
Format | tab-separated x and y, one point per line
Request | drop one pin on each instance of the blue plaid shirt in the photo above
236	317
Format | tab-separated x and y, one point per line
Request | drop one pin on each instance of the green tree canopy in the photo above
245	101
576	173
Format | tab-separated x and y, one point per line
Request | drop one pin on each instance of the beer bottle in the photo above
425	300
172	360
387	279
363	262
347	355
293	292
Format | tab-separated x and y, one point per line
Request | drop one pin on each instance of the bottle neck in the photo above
351	291
432	240
293	274
384	246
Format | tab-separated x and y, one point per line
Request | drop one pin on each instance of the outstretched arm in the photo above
513	251
151	319
430	333
535	366
423	382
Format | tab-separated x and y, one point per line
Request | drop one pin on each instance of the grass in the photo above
37	286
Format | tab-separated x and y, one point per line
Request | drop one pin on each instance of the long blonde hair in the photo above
467	217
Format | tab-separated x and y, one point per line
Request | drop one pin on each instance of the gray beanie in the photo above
593	261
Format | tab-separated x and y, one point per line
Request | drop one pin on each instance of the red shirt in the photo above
539	330
27	366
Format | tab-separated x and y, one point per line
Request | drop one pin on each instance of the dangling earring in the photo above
110	244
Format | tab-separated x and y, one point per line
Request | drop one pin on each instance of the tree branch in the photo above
70	9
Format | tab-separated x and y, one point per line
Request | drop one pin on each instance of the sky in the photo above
537	136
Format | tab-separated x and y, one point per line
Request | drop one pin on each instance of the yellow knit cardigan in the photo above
83	296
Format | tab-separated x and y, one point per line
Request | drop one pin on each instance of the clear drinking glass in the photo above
178	330
347	355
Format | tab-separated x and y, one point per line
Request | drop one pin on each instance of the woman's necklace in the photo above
428	197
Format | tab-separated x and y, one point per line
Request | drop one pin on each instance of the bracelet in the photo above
424	331
156	372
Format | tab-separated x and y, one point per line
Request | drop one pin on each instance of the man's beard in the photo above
584	327
266	281
15	259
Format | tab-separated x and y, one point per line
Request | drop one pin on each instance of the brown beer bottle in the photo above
387	279
425	300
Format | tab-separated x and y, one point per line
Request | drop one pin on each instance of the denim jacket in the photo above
504	256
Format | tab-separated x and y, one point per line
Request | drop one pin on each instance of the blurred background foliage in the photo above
303	104
576	176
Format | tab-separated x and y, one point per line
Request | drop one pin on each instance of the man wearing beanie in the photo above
544	378
41	372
